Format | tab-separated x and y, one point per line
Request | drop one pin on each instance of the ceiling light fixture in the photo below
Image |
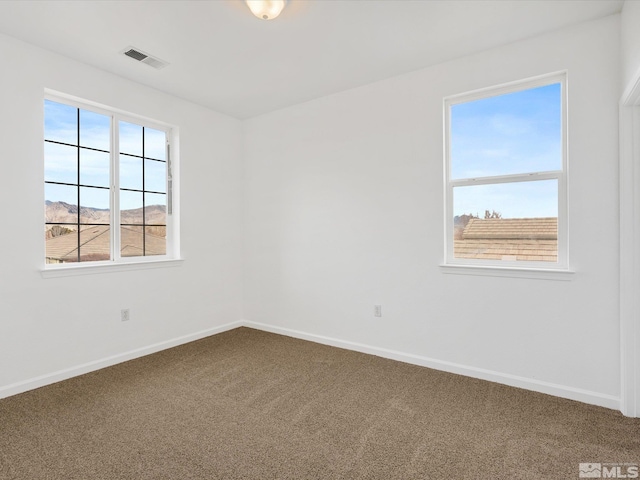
266	9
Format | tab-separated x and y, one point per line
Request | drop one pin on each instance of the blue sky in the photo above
508	134
61	160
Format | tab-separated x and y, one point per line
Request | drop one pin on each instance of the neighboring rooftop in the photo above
520	239
95	244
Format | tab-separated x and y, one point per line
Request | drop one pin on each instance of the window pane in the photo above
155	241
60	122
514	133
131	208
94	168
95	130
94	205
95	243
61	203
130	138
130	172
131	241
510	221
154	144
61	243
60	163
155	176
155	209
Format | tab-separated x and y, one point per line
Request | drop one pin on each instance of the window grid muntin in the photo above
142	157
78	185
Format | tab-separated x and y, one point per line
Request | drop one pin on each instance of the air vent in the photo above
135	54
140	56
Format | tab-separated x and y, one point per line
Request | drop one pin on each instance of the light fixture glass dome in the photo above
266	9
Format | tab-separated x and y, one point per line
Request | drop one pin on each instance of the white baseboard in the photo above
47	379
580	395
563	391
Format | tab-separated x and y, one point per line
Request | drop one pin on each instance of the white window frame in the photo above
506	267
117	262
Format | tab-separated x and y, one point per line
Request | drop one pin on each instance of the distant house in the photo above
522	239
95	244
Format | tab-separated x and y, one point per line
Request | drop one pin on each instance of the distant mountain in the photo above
61	212
155	214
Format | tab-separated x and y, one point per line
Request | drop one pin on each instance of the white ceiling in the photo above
223	57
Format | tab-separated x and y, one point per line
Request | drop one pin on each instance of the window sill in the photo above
513	272
69	271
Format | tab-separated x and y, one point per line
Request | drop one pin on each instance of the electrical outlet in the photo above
124	314
377	310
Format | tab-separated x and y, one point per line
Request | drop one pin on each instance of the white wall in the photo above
344	210
630	39
49	325
343	204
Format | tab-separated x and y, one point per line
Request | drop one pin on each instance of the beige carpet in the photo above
252	405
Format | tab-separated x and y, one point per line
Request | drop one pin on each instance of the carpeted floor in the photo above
252	405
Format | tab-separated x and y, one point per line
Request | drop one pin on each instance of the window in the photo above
107	186
505	176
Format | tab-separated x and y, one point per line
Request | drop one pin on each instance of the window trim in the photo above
517	268
109	267
116	262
